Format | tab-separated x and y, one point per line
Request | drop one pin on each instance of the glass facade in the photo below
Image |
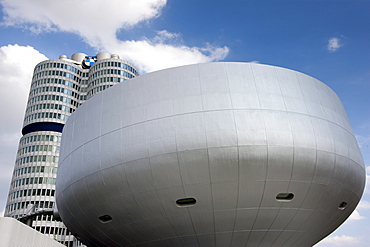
58	88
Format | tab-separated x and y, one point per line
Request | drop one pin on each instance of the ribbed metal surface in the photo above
266	153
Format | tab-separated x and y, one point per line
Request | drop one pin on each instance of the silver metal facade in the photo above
58	88
267	153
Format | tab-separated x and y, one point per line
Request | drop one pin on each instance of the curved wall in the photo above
233	136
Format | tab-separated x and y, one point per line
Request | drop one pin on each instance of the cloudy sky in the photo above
327	39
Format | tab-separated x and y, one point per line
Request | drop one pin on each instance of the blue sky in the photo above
327	39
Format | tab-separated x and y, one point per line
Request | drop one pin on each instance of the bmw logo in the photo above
88	62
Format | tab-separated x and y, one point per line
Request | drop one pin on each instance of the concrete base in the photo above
15	233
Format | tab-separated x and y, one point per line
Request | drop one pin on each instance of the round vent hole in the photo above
342	205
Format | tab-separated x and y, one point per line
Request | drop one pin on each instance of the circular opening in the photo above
342	205
105	218
285	196
185	202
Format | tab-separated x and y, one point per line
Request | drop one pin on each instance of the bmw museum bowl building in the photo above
217	154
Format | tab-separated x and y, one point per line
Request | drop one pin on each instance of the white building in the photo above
219	154
58	88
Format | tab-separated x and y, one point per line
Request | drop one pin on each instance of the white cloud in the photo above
363	141
16	68
163	36
150	56
367	186
355	216
334	44
363	205
92	19
343	240
98	21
